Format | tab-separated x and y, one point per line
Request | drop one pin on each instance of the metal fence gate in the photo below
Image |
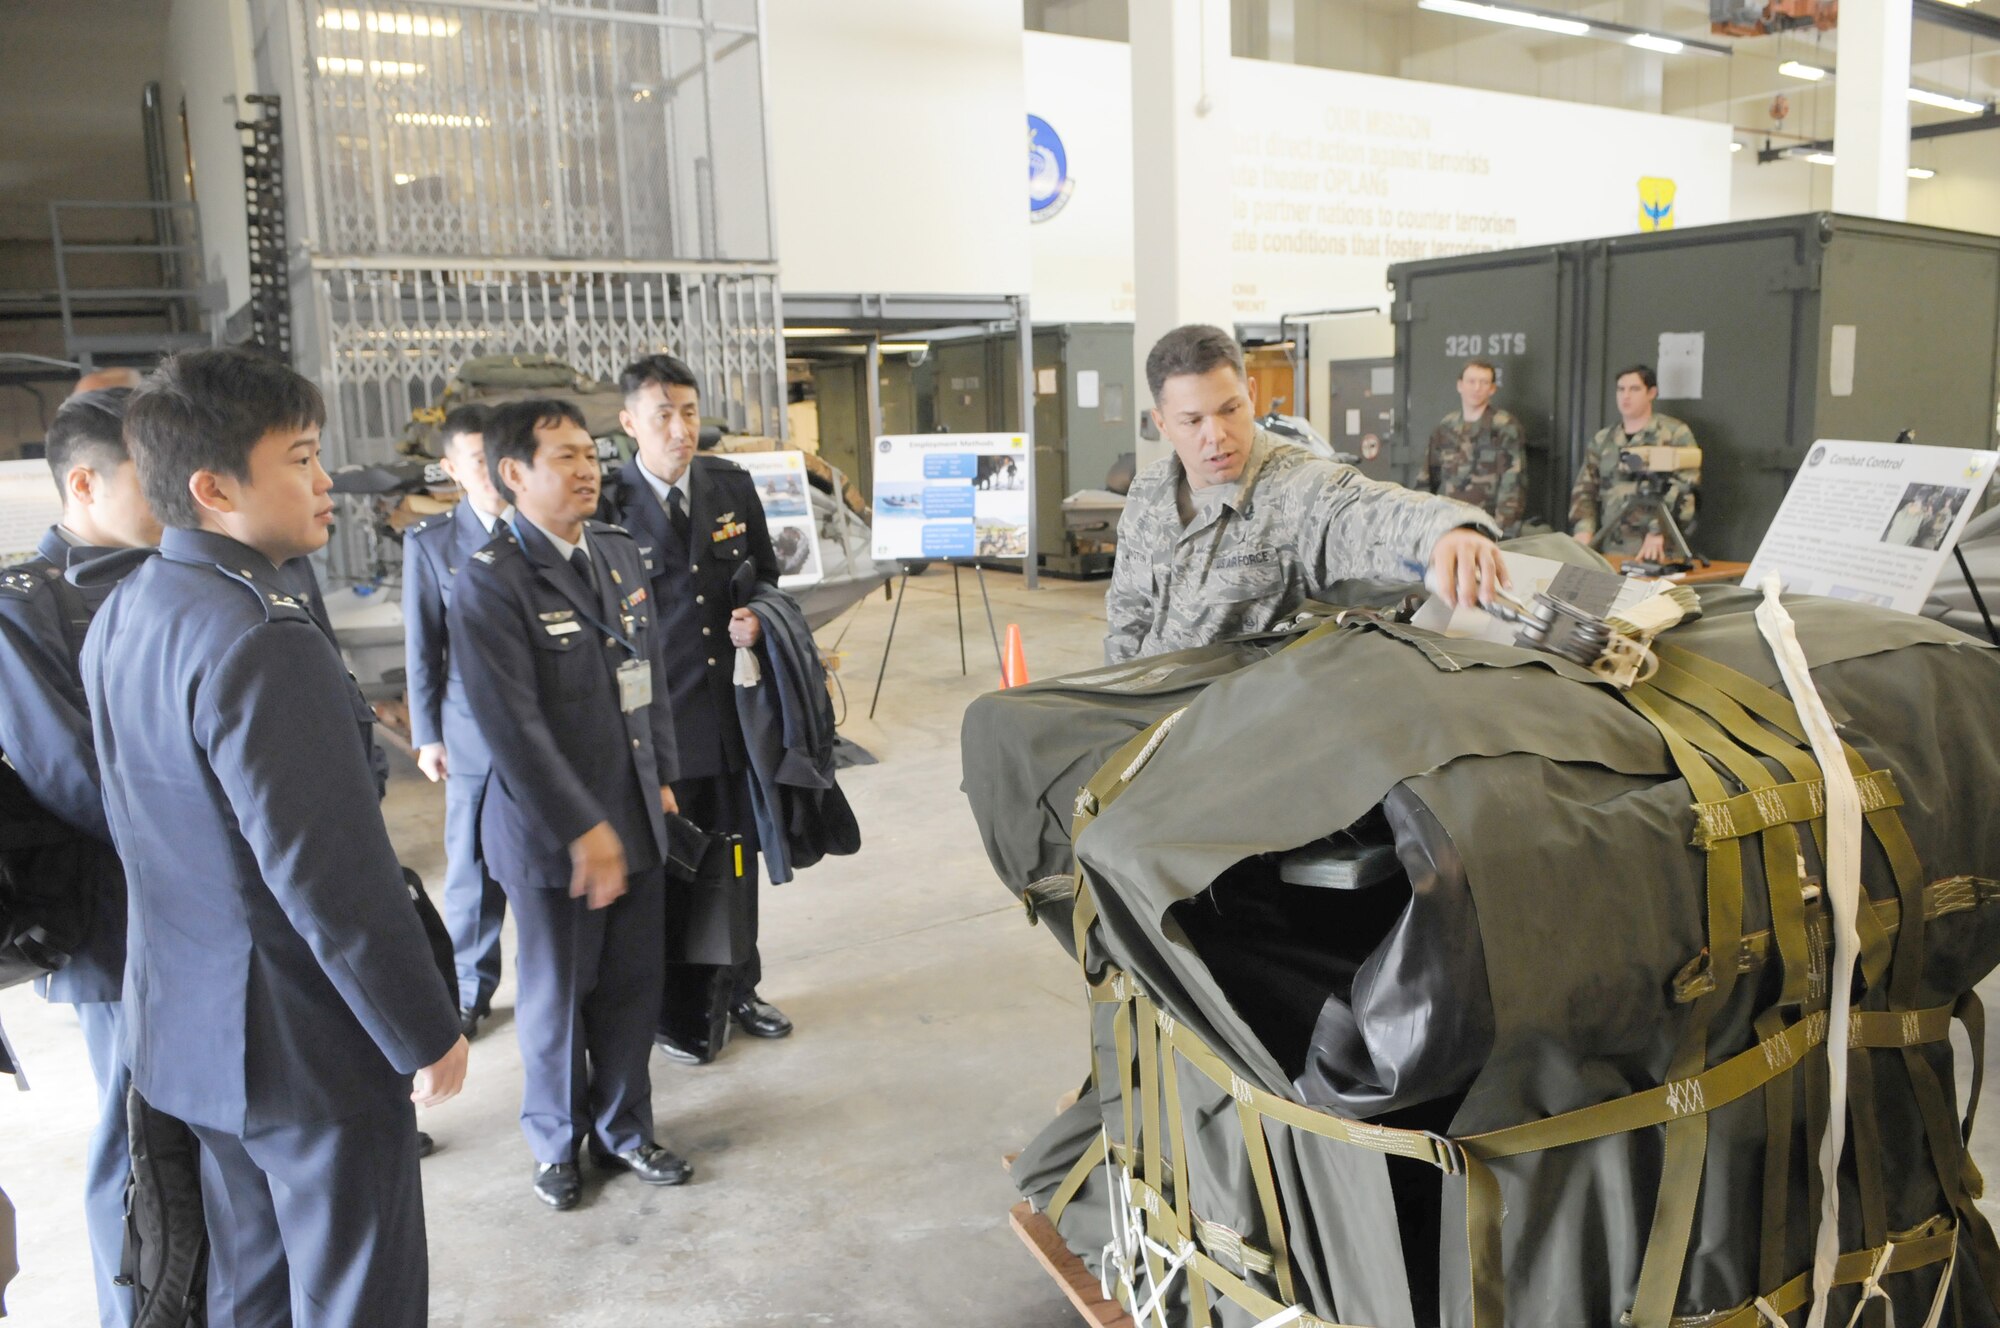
616	129
391	334
587	179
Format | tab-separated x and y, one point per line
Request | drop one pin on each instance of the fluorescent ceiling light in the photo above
1820	158
1946	102
1735	147
401	178
1646	41
1810	73
1920	173
820	332
903	347
1519	18
402	25
337	64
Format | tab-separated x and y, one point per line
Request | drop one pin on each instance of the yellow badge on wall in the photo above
1656	203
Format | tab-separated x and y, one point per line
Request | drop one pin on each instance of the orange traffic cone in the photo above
1014	671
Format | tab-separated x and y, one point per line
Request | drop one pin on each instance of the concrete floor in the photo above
849	1175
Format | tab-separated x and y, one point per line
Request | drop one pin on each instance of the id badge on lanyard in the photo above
635	685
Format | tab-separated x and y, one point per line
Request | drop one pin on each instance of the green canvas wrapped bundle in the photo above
1436	981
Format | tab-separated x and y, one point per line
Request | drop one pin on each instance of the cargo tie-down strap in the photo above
1721	729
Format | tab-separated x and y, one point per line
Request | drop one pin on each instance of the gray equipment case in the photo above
1566	1064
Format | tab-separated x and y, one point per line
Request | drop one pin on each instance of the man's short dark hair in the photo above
665	370
206	410
510	432
1492	374
88	430
1193	349
1645	372
461	421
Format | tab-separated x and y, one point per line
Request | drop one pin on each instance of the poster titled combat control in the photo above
1872	522
780	478
952	495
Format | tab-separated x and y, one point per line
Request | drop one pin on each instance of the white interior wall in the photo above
208	66
898	141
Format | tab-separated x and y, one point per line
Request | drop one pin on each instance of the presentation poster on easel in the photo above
28	507
780	478
1872	522
952	495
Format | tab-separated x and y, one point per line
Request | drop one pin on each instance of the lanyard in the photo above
622	638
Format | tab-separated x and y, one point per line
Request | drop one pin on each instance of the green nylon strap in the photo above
1779	1117
1249	1297
1092	1159
1433	1149
1184	1220
1920	1247
1741	1074
1971	1012
1121	1041
1484	1207
1888	827
1779	846
1266	1183
1154	1145
1867	1154
1785	804
1673	1223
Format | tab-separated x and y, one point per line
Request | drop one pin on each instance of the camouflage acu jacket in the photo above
1293	526
1480	463
1599	500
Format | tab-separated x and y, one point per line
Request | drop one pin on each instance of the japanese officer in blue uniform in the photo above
552	624
448	743
45	735
279	993
698	519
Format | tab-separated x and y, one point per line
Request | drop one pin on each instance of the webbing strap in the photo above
1266	1184
1785	804
1185	1222
1867	1155
1741	1074
1779	1116
1931	1243
1092	1159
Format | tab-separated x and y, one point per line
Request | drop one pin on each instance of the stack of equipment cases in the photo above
1785	331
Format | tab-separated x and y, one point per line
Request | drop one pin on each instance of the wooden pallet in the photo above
1039	1235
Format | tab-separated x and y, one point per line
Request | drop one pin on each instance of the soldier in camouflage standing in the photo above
1477	454
1602	512
1236	528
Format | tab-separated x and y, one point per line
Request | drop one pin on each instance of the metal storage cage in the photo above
589	180
1788	330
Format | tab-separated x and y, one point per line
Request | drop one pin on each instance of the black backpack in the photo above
166	1234
46	904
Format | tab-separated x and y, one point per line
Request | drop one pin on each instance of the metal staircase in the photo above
180	303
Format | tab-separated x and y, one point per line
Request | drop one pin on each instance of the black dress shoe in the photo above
425	1144
649	1162
760	1018
468	1022
558	1184
680	1052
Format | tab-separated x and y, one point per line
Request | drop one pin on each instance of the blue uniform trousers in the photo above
110	1160
474	903
588	988
317	1226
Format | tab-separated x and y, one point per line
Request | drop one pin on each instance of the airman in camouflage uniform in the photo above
1285	532
1604	511
1480	462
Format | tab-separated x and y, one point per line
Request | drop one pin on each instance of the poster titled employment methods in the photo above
952	495
1872	522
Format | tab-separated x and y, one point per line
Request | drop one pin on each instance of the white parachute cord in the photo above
1871	1288
1283	1317
1843	897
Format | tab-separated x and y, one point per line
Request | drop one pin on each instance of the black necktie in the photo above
580	561
677	513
